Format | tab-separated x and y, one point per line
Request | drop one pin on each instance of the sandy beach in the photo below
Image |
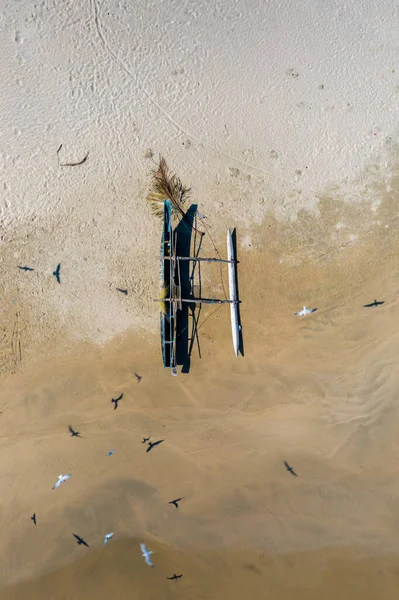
283	120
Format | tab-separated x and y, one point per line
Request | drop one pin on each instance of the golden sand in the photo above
319	392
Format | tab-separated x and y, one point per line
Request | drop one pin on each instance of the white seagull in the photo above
305	311
107	537
61	479
147	554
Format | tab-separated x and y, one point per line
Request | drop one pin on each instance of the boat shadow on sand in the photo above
187	339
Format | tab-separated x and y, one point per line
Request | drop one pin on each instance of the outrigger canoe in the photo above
171	299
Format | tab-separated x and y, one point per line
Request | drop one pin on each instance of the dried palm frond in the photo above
166	186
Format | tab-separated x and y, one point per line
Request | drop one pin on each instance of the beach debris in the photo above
61	479
152	444
33	518
145	439
175	502
147	554
290	469
175	576
25	268
80	540
122	291
73	432
305	311
165	185
116	400
107	537
110	452
74	164
375	303
56	273
138	377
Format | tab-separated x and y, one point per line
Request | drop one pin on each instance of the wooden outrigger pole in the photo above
171	299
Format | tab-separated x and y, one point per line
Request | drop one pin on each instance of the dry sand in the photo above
283	118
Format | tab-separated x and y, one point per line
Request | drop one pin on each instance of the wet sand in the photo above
319	392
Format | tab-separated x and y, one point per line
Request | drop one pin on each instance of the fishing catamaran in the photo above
167	198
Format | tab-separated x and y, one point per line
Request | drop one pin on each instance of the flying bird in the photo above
305	311
61	479
107	537
110	452
375	303
147	554
80	540
175	502
33	518
25	268
73	432
145	439
138	377
122	291
116	400
152	444
290	469
56	273
175	576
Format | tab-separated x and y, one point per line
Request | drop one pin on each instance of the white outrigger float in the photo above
235	327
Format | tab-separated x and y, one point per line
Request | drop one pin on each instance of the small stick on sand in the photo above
75	164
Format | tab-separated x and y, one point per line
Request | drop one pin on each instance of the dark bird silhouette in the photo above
25	268
73	432
375	303
138	377
80	540
290	469
122	291
175	577
33	518
116	400
152	444
175	502
145	439
56	273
